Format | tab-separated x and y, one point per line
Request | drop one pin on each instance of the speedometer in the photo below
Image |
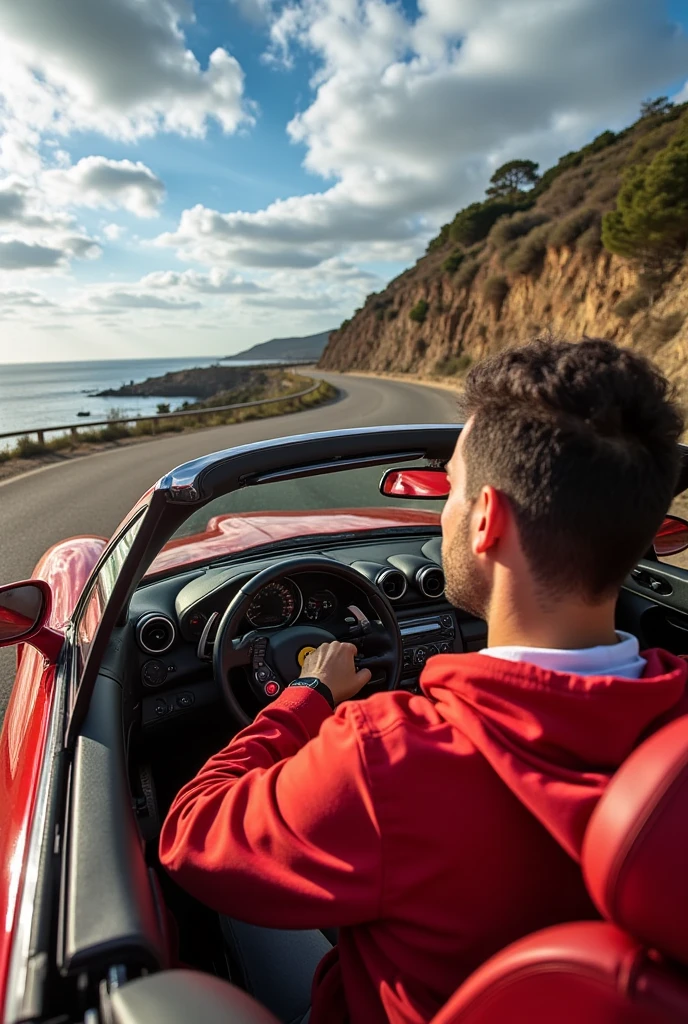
277	604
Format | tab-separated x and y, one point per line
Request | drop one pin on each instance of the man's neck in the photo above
526	621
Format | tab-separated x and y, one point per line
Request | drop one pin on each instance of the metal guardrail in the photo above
157	418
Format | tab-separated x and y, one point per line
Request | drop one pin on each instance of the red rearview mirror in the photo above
672	537
431	484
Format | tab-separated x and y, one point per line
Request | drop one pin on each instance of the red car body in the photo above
66	567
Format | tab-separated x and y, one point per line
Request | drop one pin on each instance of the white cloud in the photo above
410	116
18	255
26	298
96	181
119	67
113	231
117	300
255	11
216	282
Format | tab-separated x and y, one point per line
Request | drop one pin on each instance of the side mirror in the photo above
430	484
24	614
672	537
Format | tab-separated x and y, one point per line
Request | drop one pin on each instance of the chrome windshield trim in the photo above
17	975
184	482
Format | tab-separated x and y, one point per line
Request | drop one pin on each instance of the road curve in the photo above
92	494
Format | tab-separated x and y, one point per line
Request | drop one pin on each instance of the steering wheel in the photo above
272	656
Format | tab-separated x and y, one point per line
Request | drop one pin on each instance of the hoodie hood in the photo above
555	739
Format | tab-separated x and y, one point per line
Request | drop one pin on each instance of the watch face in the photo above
309	681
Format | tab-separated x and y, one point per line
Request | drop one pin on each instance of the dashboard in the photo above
174	620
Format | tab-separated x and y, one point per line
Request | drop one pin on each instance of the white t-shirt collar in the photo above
621	659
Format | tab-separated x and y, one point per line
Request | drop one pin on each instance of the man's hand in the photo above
333	665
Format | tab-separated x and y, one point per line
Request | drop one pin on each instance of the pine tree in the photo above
650	223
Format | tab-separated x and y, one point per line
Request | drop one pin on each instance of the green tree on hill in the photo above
660	105
650	223
473	224
512	178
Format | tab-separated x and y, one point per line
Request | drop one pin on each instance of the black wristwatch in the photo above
313	683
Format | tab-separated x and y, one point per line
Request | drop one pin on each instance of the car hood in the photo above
236	532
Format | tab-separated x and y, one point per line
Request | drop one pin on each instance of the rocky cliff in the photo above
539	270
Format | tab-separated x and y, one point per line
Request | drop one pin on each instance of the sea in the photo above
36	395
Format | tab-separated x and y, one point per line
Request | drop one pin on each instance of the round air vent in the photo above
155	633
392	582
430	580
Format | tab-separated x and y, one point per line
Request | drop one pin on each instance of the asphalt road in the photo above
93	494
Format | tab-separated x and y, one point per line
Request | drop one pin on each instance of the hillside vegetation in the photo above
596	245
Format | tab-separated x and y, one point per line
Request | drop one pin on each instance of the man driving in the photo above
432	830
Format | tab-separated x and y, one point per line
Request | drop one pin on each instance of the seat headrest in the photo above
635	852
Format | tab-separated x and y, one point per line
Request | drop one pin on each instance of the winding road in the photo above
93	494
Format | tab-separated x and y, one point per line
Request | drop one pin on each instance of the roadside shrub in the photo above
495	290
453	262
26	448
466	272
450	366
529	256
628	307
163	407
572	227
508	229
419	311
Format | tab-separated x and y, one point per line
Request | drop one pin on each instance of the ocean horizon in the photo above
36	395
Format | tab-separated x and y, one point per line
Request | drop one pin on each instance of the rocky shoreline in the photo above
201	383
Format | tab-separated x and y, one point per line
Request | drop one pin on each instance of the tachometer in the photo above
277	604
320	606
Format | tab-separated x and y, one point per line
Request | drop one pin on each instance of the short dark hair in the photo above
582	439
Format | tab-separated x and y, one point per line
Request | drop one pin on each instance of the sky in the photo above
181	177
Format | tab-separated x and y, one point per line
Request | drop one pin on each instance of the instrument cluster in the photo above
282	603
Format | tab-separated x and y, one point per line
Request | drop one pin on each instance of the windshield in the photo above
330	503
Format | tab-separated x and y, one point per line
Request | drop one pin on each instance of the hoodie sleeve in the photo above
279	829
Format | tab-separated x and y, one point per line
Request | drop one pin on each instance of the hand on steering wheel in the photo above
334	665
274	658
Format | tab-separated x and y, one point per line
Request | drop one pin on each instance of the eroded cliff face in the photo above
573	295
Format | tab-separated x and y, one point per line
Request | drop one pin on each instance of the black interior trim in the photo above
110	913
675	579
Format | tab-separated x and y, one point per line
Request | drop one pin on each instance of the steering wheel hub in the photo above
285	649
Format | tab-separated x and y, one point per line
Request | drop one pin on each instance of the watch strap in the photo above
313	683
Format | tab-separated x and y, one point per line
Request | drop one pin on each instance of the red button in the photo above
271	689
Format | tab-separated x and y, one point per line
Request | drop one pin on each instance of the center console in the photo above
423	637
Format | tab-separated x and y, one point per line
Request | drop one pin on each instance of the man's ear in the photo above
490	516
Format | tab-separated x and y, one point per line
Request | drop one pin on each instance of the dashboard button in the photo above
262	675
447	621
161	708
153	673
432	650
271	689
445	648
421	656
184	700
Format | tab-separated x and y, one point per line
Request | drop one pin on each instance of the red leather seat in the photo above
630	969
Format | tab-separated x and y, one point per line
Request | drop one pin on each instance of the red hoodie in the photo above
433	830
